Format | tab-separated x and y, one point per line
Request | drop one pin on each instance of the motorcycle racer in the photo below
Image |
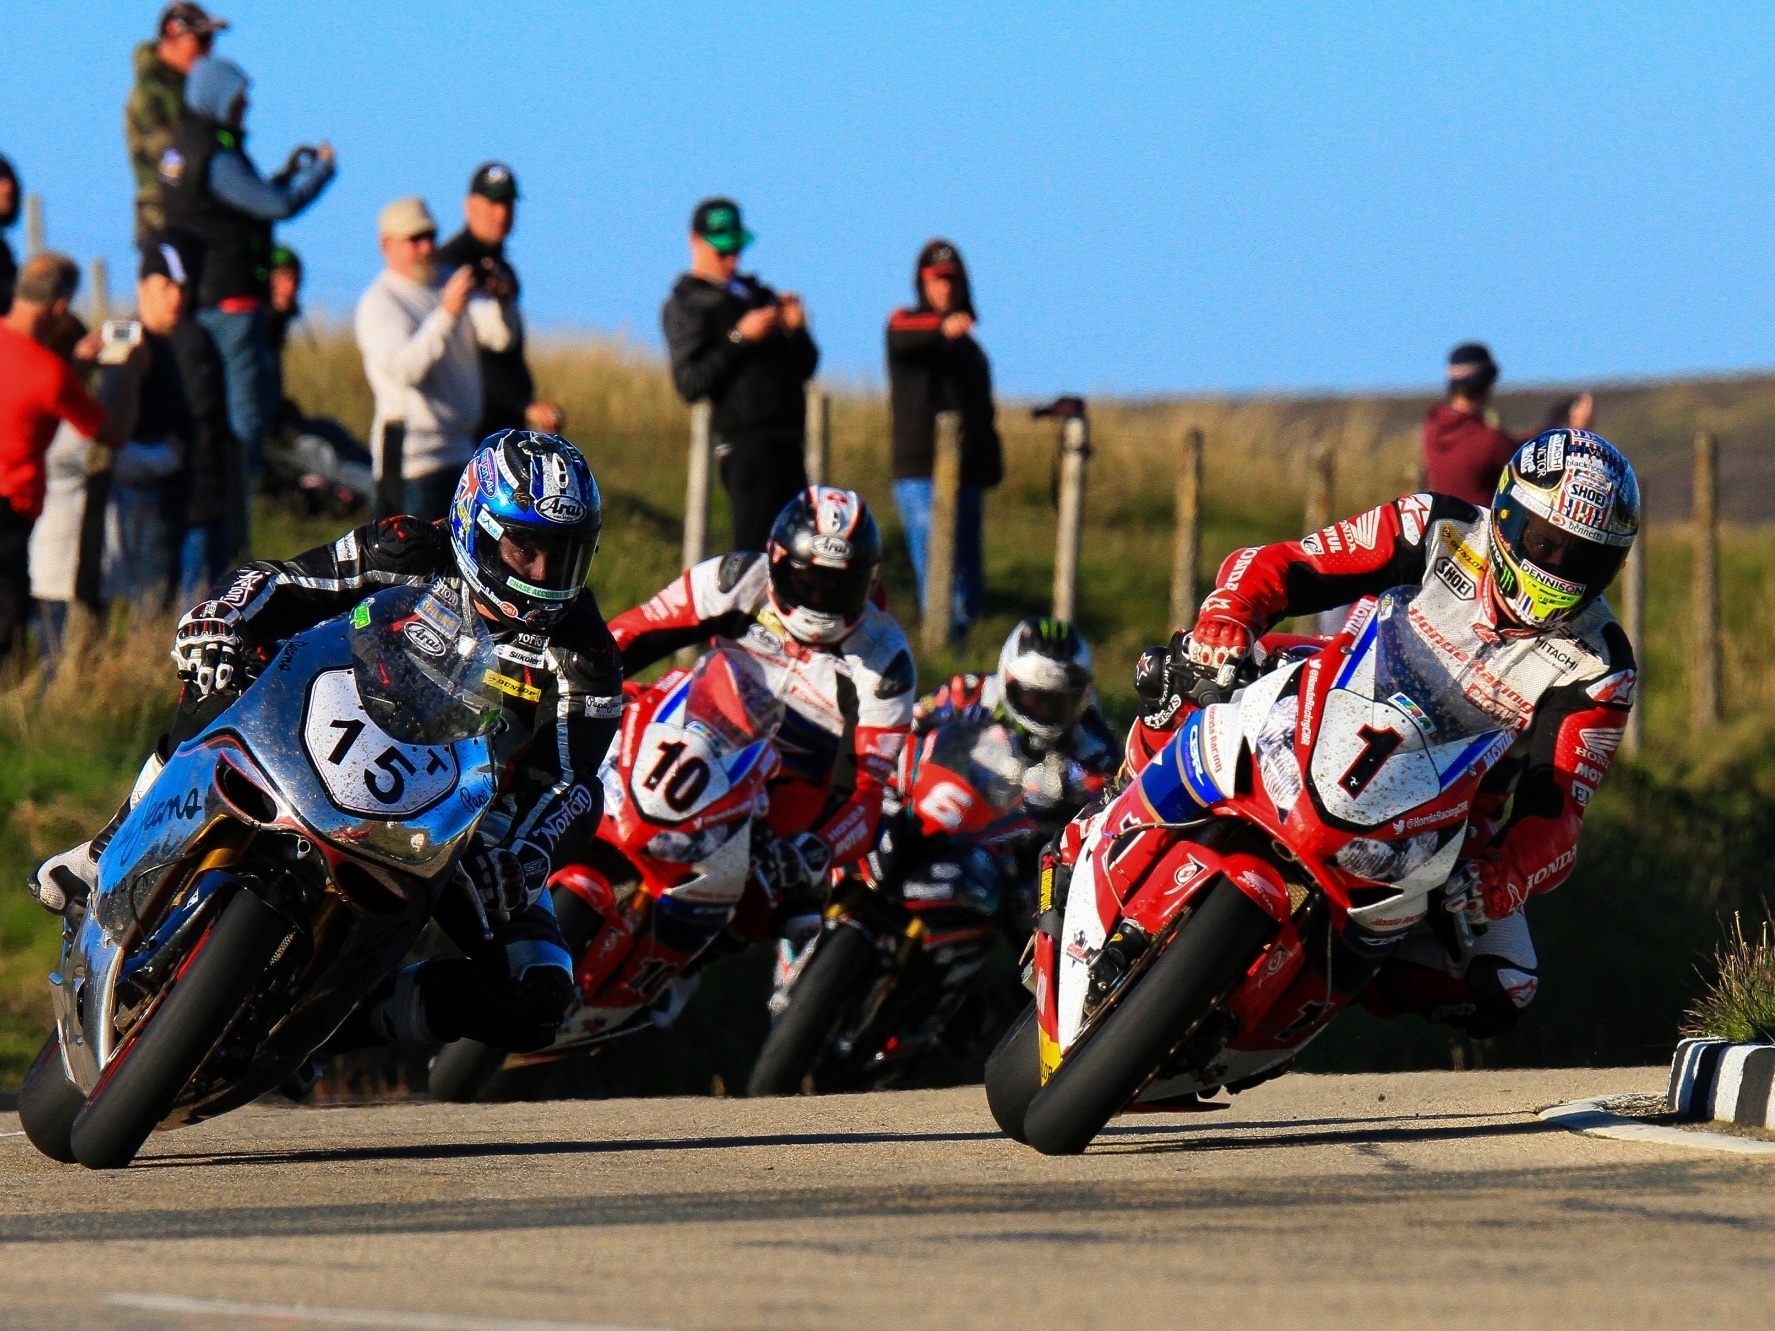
522	530
841	664
1511	604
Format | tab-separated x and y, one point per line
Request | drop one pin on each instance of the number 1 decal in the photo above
1377	747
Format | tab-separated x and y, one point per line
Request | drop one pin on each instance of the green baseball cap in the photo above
718	222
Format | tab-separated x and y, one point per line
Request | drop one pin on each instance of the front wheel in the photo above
144	1079
48	1103
462	1070
822	996
1102	1073
1014	1075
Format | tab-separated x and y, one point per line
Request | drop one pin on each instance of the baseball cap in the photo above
405	218
718	222
160	259
939	257
495	181
1471	361
282	256
187	17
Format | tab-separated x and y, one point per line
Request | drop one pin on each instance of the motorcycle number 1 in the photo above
364	769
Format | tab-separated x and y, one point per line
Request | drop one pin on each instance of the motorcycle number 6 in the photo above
364	769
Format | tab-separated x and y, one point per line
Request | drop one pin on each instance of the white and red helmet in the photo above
823	551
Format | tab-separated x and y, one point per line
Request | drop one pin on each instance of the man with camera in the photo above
747	349
489	213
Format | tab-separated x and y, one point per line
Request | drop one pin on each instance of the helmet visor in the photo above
1545	573
535	562
831	591
1047	707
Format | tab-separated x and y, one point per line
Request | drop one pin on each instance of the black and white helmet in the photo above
824	549
1044	676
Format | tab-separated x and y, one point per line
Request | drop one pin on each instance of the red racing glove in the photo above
1502	892
1226	628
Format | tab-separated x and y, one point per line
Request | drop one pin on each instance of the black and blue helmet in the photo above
524	526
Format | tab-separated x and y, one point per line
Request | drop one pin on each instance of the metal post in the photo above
98	278
819	435
1705	698
391	490
1075	449
1634	607
696	489
33	224
1186	549
939	573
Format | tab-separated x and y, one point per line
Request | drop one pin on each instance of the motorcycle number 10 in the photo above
364	769
677	772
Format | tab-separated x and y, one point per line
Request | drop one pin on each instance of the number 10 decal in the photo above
364	769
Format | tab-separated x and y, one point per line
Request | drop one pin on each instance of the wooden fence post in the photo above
939	568
33	224
696	487
1186	549
819	436
1705	696
1075	450
1321	484
98	279
1634	608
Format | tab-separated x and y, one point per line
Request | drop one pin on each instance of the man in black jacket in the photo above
9	206
746	348
935	365
489	213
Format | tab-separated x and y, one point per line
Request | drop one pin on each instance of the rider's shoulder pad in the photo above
733	568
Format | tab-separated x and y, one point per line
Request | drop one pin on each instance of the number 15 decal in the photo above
364	769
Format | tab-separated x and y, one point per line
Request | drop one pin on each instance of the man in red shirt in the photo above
38	390
1464	453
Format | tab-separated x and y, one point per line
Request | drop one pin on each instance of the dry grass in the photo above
1739	1004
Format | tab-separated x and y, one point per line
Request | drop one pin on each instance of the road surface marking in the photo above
1590	1118
295	1312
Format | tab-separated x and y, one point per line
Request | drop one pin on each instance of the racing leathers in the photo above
563	701
1565	691
848	706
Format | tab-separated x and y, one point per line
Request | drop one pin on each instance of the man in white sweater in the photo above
421	345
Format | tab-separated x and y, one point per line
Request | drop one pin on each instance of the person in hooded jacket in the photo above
215	196
935	365
9	205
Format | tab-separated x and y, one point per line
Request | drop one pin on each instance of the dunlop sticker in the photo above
513	688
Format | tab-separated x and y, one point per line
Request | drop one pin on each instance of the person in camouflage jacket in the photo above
157	102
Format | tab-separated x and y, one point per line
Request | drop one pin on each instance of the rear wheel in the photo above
462	1070
1014	1074
145	1077
823	994
1095	1081
48	1103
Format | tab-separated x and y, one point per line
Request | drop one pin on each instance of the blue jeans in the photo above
249	373
204	557
428	497
912	497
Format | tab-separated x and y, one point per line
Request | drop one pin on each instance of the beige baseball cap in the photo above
405	218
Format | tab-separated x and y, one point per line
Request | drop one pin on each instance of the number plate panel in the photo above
363	769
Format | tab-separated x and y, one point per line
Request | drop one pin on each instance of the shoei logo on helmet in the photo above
831	551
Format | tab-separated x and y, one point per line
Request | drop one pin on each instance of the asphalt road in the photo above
1429	1199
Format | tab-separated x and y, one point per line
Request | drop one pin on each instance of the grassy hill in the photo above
1676	837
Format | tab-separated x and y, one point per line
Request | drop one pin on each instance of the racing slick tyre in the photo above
145	1076
48	1103
1097	1078
822	996
1014	1075
462	1070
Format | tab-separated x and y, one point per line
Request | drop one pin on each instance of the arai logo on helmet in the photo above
831	551
564	509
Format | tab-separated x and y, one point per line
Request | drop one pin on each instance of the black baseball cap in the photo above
160	258
187	17
495	181
718	222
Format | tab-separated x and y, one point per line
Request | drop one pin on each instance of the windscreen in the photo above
1413	677
425	671
983	755
730	702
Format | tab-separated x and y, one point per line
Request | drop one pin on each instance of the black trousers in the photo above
15	577
761	475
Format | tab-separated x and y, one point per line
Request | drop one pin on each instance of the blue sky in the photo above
1152	197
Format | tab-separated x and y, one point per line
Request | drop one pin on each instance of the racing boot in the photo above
63	883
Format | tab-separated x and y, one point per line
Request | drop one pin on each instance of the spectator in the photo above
9	206
283	308
157	102
38	388
489	213
747	349
213	458
421	346
214	194
1464	448
934	364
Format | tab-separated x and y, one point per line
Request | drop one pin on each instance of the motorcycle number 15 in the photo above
364	769
677	773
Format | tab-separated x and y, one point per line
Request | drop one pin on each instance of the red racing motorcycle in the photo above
1180	956
684	786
